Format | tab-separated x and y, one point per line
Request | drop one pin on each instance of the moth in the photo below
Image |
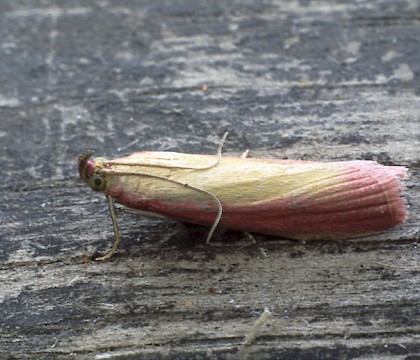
293	199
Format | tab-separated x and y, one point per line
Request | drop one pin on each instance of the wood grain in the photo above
324	80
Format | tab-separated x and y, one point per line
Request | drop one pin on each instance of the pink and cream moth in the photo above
290	198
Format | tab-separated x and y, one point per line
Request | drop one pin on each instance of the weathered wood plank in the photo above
324	80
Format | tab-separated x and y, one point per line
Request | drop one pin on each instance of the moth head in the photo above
88	171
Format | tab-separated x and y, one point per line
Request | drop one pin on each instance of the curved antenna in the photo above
212	164
215	198
83	159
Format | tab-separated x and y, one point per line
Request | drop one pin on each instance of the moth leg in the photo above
116	232
253	242
250	238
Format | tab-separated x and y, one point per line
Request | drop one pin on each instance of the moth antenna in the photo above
212	164
128	173
219	154
84	158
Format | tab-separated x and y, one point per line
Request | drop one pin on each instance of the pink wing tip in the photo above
402	210
394	192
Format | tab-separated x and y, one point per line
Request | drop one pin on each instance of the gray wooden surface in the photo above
319	80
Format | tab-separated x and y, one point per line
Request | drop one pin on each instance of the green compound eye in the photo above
97	182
